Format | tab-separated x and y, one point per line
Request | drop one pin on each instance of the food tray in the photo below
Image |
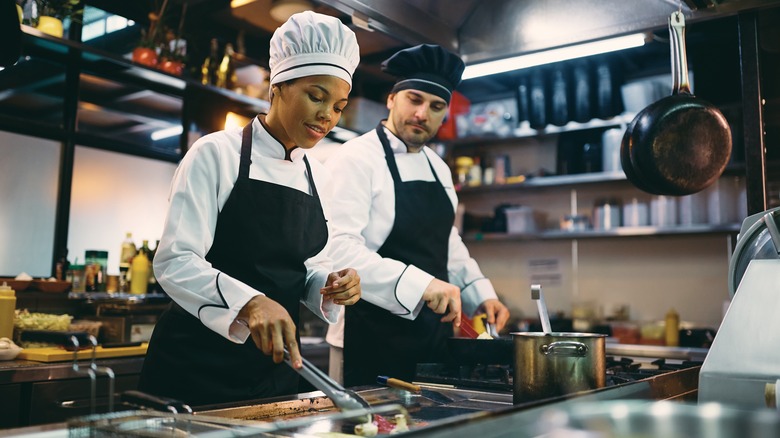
165	424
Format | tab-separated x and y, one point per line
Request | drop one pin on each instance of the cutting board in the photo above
57	354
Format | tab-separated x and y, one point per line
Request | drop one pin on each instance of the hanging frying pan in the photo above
680	144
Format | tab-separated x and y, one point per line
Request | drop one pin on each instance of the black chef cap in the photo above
427	68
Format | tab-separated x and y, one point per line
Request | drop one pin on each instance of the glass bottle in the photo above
226	73
209	68
125	257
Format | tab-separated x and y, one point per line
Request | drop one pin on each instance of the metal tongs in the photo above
344	399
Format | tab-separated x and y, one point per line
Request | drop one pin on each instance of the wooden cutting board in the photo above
57	354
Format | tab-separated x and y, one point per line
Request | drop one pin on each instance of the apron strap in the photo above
311	179
390	156
246	151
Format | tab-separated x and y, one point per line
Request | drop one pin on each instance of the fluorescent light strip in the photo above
167	132
554	55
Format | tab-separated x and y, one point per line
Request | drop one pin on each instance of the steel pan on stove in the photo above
557	363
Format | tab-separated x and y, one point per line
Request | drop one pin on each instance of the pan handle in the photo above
564	348
681	82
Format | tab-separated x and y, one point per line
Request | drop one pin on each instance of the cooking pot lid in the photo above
755	242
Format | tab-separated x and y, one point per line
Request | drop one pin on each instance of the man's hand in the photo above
343	287
496	312
272	329
442	297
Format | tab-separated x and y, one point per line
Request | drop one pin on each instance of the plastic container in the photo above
672	326
139	273
7	307
520	220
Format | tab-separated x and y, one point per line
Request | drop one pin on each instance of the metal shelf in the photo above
525	131
547	181
598	234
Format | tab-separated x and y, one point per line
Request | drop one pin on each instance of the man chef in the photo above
246	238
393	219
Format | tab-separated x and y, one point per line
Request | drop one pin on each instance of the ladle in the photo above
536	295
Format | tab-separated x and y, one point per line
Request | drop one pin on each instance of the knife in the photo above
434	396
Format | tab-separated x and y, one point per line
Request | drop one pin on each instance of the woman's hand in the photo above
343	287
272	329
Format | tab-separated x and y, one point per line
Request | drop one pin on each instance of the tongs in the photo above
344	399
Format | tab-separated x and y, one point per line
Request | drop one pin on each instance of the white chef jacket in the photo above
363	219
201	186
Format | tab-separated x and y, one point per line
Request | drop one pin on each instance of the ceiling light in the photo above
554	55
238	3
167	132
281	10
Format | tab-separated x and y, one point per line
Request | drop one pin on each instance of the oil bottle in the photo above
672	328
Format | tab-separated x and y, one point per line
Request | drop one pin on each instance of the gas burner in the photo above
491	377
619	370
624	364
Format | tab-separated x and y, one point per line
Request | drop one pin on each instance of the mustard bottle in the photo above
139	273
672	328
7	307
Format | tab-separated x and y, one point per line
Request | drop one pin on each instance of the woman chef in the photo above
246	237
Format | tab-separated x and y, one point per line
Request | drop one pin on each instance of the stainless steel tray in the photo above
162	424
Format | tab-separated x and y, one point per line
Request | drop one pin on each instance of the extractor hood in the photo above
493	29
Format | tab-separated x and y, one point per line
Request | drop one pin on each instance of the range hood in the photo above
486	30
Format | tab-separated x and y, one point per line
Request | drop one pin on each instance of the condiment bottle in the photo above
226	72
7	307
139	273
672	328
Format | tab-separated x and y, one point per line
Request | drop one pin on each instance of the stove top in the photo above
491	377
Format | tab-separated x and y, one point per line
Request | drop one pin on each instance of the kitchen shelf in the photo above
570	180
120	103
547	181
616	232
524	131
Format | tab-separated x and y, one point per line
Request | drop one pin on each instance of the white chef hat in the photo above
309	44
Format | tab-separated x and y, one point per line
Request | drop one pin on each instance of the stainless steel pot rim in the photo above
558	335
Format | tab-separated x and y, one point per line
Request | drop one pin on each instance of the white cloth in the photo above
309	44
201	186
363	214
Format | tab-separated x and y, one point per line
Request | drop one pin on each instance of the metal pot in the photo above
558	363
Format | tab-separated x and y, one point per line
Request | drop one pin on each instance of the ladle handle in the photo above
679	56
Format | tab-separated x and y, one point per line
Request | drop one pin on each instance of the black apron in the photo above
264	234
377	342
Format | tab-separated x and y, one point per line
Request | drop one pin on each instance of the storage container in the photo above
520	220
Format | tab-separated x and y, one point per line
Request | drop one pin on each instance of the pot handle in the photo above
564	348
681	82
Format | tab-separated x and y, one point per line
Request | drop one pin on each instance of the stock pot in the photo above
557	363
